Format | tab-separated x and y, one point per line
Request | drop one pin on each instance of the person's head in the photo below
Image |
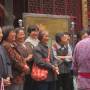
33	31
60	38
9	33
88	31
20	35
1	34
83	34
68	37
43	37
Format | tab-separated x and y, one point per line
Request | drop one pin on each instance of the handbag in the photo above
39	73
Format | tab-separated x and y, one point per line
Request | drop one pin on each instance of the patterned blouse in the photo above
17	61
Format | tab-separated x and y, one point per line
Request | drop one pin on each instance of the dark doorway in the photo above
19	7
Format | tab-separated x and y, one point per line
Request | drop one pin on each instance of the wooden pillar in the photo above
2	14
84	15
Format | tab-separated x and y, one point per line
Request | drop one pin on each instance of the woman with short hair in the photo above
25	51
41	52
32	38
19	67
61	53
32	41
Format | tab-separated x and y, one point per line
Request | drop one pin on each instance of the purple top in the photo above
81	62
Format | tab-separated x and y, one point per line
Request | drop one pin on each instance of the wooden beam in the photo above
84	14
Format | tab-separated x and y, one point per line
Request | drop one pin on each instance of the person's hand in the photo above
7	81
29	57
55	69
26	69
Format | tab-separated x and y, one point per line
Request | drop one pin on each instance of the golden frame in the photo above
52	23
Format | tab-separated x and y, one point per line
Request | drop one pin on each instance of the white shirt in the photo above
33	41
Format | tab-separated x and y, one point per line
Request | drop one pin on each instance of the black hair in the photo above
17	30
58	37
88	31
41	34
67	33
32	28
83	32
6	30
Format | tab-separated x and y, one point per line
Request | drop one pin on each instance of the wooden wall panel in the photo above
72	8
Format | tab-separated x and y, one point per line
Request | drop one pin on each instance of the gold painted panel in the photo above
52	23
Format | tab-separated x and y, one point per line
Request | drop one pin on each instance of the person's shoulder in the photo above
37	48
27	39
83	42
56	46
1	48
6	44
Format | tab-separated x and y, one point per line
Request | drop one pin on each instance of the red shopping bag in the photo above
40	73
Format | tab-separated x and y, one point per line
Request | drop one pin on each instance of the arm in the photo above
1	67
64	57
74	61
6	80
29	57
54	61
57	58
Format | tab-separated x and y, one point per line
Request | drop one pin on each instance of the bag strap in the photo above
48	58
2	84
48	53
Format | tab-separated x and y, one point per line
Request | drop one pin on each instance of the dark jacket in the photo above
40	52
5	64
17	62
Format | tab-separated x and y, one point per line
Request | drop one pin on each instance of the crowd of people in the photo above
20	53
